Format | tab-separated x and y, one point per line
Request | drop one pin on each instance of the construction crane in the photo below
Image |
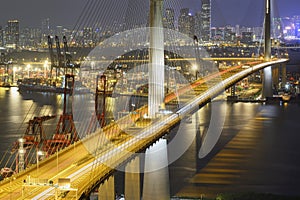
34	133
65	133
32	139
67	55
68	58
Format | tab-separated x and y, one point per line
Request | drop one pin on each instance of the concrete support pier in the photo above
283	74
267	83
275	76
156	177
132	180
107	189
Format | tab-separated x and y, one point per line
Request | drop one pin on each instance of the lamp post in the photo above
14	75
38	153
28	68
45	69
195	68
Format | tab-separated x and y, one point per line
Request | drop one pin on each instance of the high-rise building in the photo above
30	37
1	37
237	30
229	34
247	37
206	20
198	24
88	36
45	31
12	34
186	22
277	31
297	26
217	33
169	19
288	27
59	31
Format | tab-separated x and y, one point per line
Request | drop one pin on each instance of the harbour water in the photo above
273	166
258	151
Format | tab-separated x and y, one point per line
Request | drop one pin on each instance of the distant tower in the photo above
169	19
59	31
206	20
1	37
198	24
186	22
297	26
183	18
45	30
12	34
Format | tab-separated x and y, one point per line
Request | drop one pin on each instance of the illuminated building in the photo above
1	37
277	31
45	31
169	19
206	20
186	22
12	34
247	37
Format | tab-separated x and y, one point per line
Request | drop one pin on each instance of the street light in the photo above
46	68
195	68
38	153
14	74
28	68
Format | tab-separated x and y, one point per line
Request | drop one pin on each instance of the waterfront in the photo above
272	163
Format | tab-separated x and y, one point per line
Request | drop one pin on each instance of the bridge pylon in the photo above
267	72
156	65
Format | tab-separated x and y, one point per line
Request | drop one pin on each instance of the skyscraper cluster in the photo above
14	36
206	20
192	25
290	27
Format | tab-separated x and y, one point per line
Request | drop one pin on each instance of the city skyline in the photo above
65	13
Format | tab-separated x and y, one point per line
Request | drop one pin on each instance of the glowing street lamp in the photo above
195	68
14	74
46	68
38	154
28	68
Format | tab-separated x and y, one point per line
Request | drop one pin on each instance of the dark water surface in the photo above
258	151
271	160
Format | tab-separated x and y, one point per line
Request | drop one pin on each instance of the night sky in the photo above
66	12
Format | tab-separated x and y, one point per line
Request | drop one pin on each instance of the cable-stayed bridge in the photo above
76	170
86	170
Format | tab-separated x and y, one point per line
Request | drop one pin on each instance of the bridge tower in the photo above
156	64
267	78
